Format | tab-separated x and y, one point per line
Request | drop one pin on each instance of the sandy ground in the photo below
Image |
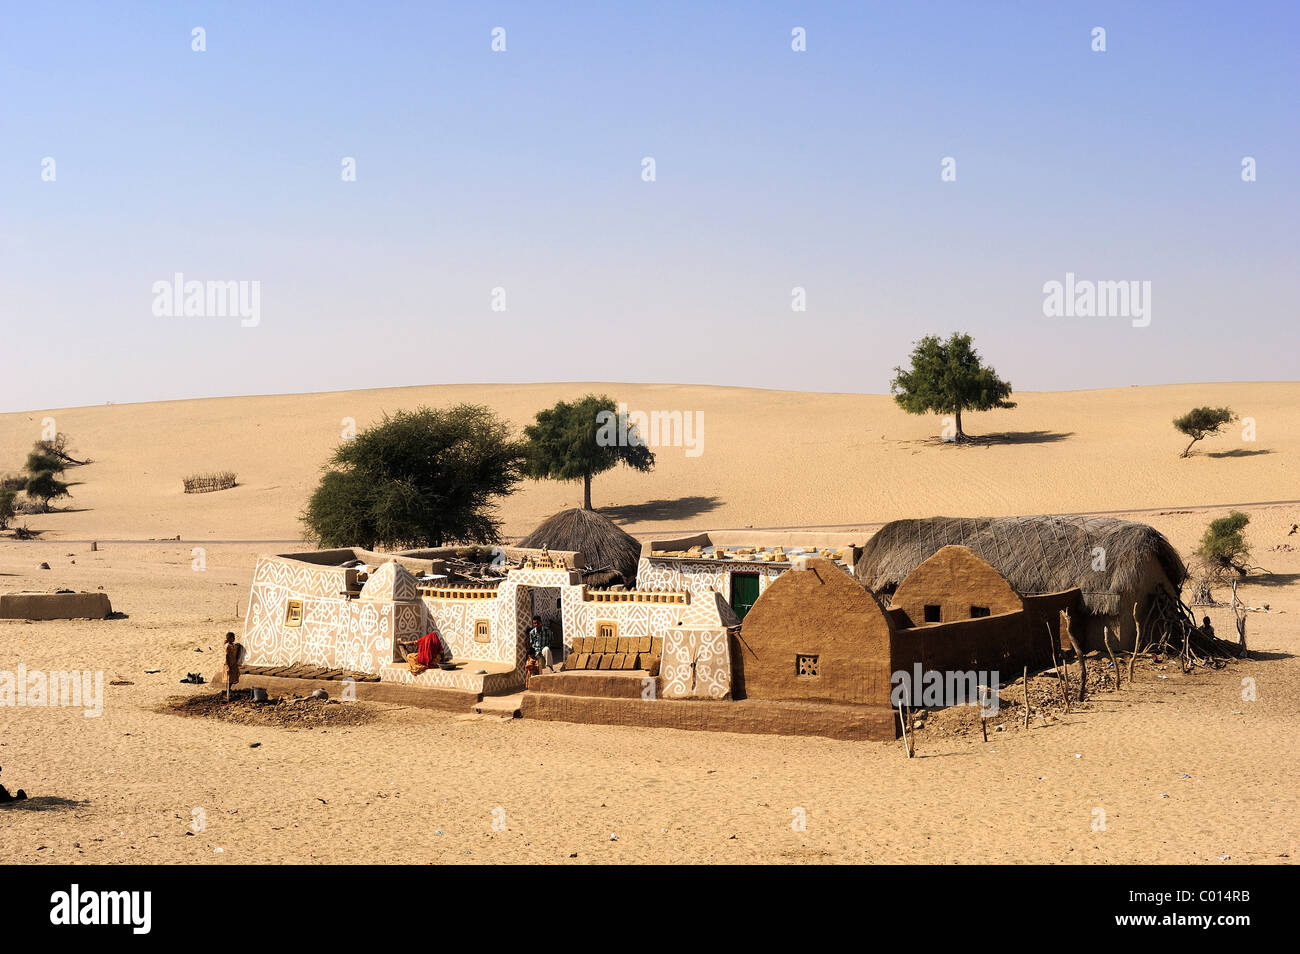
1184	769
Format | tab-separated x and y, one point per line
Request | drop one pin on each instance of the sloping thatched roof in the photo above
1036	554
609	553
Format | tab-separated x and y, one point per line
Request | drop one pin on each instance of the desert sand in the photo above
1184	769
768	458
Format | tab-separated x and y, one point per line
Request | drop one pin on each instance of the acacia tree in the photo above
43	487
1199	423
948	377
60	447
575	441
418	478
39	459
1223	546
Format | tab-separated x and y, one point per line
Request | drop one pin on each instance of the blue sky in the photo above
522	170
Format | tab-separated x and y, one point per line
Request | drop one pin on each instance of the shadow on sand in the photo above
1239	452
679	509
42	803
1004	437
1023	437
1272	579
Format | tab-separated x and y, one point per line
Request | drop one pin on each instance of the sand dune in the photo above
767	458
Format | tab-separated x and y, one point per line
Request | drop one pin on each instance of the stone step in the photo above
498	678
506	707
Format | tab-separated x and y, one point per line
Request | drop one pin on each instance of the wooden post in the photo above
984	698
1137	643
1114	665
1078	651
1062	676
902	722
1025	677
1239	613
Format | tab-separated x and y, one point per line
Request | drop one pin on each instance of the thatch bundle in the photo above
1047	554
610	554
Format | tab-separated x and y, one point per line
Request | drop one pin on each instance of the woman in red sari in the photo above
429	651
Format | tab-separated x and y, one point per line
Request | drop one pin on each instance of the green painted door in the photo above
744	591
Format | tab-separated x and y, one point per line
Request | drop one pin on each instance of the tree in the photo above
39	459
418	478
580	440
948	377
1201	422
60	447
6	507
43	487
1223	546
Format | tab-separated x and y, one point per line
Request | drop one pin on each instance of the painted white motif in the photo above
696	664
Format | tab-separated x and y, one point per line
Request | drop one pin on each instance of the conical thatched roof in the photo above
610	554
1036	554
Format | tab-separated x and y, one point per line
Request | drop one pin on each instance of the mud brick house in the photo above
1116	565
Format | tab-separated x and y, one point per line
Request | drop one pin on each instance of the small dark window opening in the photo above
977	611
805	664
932	614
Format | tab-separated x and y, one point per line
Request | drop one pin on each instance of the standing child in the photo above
234	660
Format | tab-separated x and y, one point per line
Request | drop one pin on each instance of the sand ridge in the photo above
767	458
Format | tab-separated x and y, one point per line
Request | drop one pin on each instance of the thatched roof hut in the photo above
610	554
1043	554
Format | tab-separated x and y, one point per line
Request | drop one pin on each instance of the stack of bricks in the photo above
616	652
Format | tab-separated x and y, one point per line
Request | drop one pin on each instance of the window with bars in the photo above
805	664
482	631
293	613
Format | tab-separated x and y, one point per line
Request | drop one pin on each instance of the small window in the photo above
932	614
977	612
606	630
293	613
805	665
482	631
